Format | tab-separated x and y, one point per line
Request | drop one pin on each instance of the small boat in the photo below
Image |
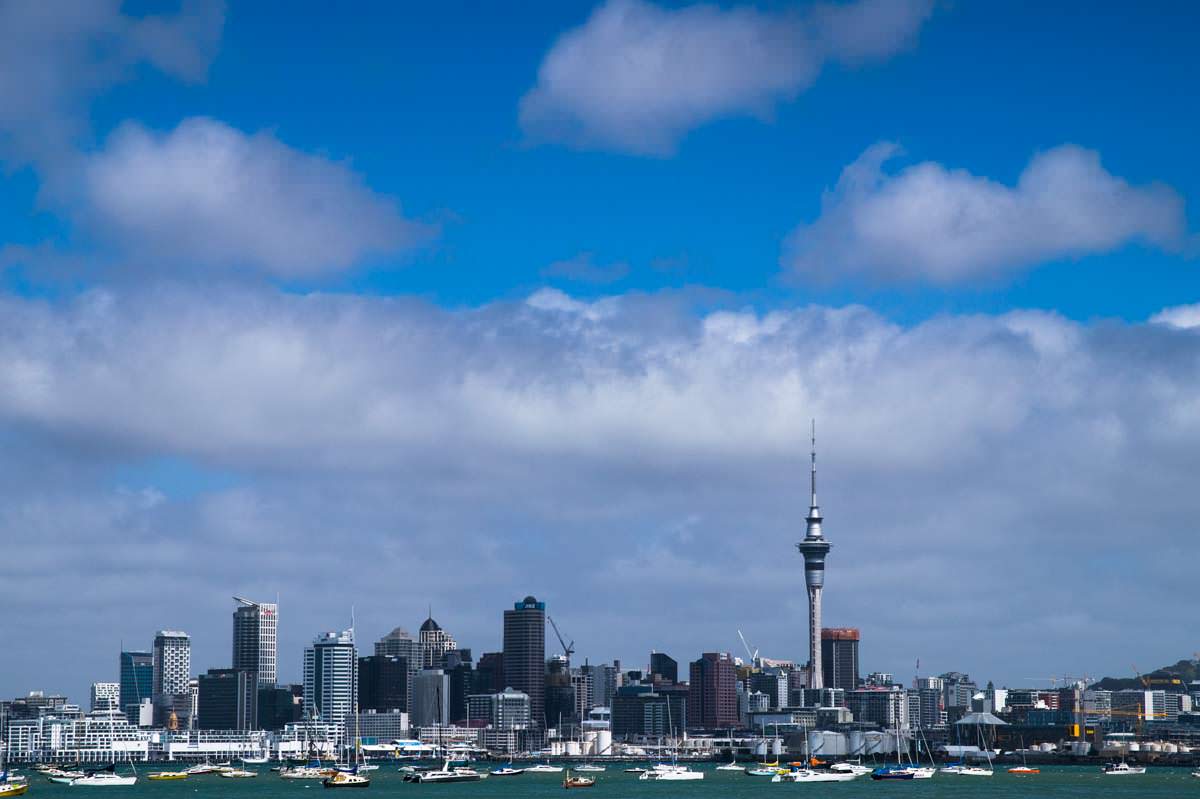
578	782
1024	770
237	773
730	766
256	761
671	773
963	770
636	770
902	773
543	768
811	775
589	768
1122	768
346	779
447	773
103	779
167	775
307	773
761	771
507	771
13	788
857	769
59	776
202	768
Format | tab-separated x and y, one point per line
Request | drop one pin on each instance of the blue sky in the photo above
359	279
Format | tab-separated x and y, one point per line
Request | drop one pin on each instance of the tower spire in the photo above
814	463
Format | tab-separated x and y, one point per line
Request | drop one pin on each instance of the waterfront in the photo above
1058	781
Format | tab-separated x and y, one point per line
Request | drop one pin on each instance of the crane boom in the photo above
568	649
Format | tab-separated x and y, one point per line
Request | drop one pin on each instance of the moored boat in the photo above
578	782
346	779
159	776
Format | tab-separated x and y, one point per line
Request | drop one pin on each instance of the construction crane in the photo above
568	649
1145	683
753	656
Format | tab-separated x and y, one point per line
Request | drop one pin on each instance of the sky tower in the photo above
814	547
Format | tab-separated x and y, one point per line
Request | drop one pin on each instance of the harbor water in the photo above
1055	781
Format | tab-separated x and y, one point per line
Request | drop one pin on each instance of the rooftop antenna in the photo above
814	462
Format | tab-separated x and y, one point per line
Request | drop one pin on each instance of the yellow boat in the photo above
168	775
13	788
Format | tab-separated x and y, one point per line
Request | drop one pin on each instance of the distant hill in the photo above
1182	673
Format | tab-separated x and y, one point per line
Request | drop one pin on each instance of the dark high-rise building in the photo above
664	666
383	683
839	657
280	706
462	682
525	654
560	694
227	699
712	700
489	673
137	681
643	710
254	629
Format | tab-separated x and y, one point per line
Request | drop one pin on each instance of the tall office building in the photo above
398	643
814	548
137	682
664	666
604	682
525	654
436	643
331	677
431	698
712	699
839	657
227	699
489	674
383	683
172	659
254	631
503	710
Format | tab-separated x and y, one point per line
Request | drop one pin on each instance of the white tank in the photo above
1170	748
603	742
572	749
1134	746
1045	747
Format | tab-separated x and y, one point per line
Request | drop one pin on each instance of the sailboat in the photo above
107	777
10	784
672	772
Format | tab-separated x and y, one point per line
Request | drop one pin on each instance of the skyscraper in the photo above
839	657
137	681
227	699
525	654
712	699
383	683
398	643
172	662
436	642
106	696
254	632
431	698
331	677
664	666
814	548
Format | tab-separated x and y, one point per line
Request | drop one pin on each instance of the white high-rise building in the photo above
106	695
435	643
172	666
255	625
331	677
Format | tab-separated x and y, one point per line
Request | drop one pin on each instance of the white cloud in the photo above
55	55
637	77
211	195
1180	316
928	223
361	434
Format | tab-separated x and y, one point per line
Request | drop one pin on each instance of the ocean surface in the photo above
1060	781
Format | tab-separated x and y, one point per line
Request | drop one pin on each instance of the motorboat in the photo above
237	773
1122	768
543	768
202	768
103	779
636	770
1024	770
761	771
346	779
964	770
12	788
857	769
730	766
671	773
902	773
307	773
578	782
61	777
446	773
507	771
811	775
256	761
589	768
158	776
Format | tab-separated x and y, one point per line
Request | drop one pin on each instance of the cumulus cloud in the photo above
637	77
211	195
929	223
663	448
55	55
1180	316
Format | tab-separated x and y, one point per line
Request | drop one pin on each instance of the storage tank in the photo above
1170	748
572	749
604	742
825	744
856	743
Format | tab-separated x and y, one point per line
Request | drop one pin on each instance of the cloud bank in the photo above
663	451
637	77
931	224
211	195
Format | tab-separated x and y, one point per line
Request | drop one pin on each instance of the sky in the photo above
389	307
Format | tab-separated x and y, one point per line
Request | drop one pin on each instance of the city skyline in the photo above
455	305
